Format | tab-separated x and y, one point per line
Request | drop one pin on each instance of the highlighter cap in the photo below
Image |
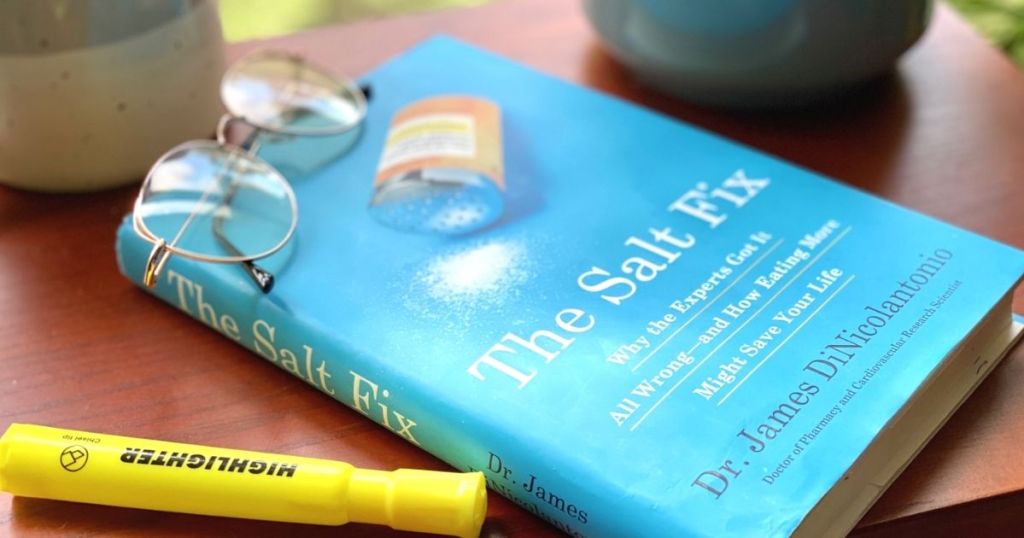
438	502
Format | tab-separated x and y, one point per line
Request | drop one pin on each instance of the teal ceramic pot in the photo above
757	52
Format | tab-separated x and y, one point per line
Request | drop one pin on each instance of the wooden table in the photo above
81	347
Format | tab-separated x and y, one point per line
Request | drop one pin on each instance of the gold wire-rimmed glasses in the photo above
214	201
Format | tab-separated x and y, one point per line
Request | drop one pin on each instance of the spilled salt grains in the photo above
484	273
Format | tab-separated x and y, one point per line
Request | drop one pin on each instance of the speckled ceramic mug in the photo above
93	91
757	52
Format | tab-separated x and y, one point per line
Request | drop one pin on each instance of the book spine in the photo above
554	486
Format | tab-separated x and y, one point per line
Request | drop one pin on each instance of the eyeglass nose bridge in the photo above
251	145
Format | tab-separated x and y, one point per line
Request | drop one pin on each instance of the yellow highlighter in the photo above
69	465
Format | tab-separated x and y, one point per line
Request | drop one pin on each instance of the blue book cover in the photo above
665	333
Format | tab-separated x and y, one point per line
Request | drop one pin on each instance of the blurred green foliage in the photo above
252	19
1001	21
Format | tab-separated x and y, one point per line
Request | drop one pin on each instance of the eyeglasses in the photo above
213	201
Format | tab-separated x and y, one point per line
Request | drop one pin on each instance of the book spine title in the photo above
278	341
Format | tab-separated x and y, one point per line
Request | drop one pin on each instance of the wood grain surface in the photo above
81	347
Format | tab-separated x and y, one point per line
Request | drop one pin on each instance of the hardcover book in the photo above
665	333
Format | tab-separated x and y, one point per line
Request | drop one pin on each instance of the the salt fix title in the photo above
519	358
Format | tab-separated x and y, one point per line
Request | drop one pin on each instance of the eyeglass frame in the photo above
162	250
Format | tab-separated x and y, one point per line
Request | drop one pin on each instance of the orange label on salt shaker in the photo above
444	132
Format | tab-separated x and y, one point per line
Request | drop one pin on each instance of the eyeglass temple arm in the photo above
155	263
263	279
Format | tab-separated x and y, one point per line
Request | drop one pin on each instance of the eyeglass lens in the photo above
217	202
279	92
